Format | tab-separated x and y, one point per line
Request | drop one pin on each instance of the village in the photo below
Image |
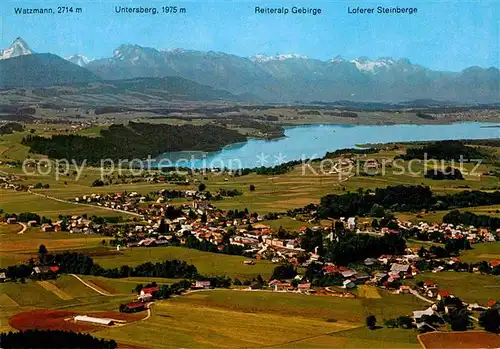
201	225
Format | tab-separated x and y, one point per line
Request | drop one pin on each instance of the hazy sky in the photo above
443	35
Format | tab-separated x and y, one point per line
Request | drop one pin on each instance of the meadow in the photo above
17	202
242	319
227	318
471	288
222	318
488	251
124	286
273	193
20	247
207	263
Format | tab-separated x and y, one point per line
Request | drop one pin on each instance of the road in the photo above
92	287
416	294
148	306
82	204
24	227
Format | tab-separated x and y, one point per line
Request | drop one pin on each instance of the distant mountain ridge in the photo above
294	77
77	59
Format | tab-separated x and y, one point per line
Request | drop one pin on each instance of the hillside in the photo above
45	69
168	88
137	91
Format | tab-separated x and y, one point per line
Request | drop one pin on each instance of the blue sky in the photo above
442	35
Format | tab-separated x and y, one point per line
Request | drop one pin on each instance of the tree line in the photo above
468	218
11	127
79	263
356	247
53	339
445	150
133	141
347	247
400	198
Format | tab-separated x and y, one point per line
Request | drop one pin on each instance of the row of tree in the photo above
468	218
25	217
348	247
79	263
445	150
53	339
400	198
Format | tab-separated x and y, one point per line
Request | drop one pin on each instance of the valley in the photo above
214	175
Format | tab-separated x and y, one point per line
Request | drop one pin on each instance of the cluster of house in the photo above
430	289
149	293
38	271
7	184
136	202
450	231
74	225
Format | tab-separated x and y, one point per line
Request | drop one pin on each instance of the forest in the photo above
348	247
10	127
450	173
468	218
357	247
133	141
78	263
401	198
445	150
53	339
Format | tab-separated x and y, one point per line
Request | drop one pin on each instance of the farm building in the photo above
201	284
94	320
348	284
132	307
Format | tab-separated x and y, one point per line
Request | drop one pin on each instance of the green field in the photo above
273	193
226	318
487	251
17	202
207	263
471	288
287	223
31	294
7	229
20	247
437	216
75	288
242	319
124	286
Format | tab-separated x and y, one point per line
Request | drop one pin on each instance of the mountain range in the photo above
280	78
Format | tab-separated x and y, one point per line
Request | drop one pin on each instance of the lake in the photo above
314	141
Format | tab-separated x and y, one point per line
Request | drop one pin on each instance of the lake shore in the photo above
314	141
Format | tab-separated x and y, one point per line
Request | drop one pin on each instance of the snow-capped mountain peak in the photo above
337	59
18	48
78	60
365	64
279	57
